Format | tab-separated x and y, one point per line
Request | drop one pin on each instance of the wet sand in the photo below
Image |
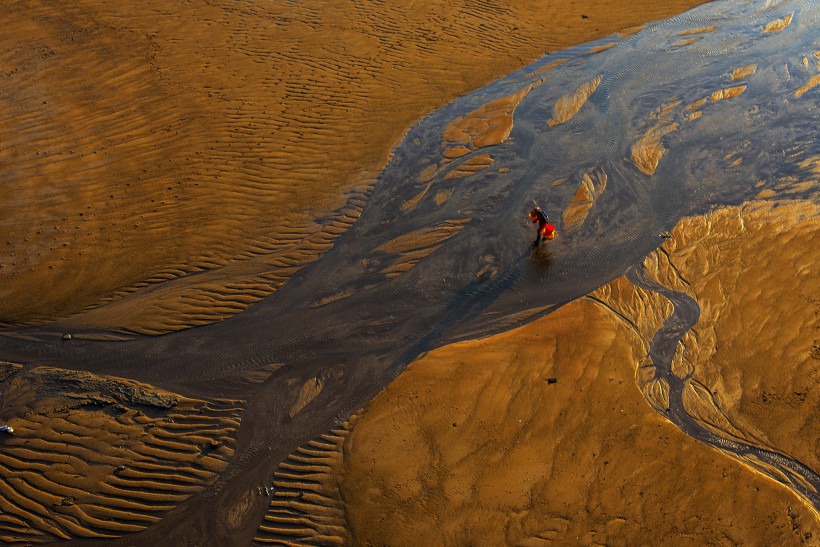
539	434
184	160
251	223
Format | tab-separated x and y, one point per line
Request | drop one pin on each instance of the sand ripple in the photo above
182	147
306	505
100	457
358	313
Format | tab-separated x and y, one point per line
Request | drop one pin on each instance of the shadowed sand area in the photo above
671	169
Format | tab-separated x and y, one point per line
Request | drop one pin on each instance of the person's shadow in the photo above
541	259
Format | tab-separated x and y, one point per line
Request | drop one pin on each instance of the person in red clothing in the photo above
545	229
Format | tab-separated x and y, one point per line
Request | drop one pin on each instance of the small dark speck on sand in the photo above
552	380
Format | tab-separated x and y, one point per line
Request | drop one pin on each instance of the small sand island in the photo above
267	279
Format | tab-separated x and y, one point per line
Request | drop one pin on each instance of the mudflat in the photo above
197	150
218	167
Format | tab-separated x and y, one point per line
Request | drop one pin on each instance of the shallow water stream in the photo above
706	109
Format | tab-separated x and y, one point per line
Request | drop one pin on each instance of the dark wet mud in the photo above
442	249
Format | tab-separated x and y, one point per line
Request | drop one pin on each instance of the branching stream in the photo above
685	314
618	139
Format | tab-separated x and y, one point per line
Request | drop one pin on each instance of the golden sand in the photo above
687	42
569	105
813	82
744	72
488	125
99	457
778	24
751	272
549	66
728	93
470	167
599	49
308	484
407	250
149	142
540	434
593	184
699	30
647	151
697	104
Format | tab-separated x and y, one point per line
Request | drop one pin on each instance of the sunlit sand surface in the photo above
753	276
813	82
778	24
568	106
496	440
475	443
184	153
488	125
592	186
99	457
744	72
648	150
235	170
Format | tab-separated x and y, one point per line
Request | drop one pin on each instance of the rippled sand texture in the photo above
638	147
440	252
499	440
99	457
431	476
306	506
185	159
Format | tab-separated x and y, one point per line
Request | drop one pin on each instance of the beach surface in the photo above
180	161
538	435
169	166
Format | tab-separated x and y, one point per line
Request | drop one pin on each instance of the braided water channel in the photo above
706	109
684	316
